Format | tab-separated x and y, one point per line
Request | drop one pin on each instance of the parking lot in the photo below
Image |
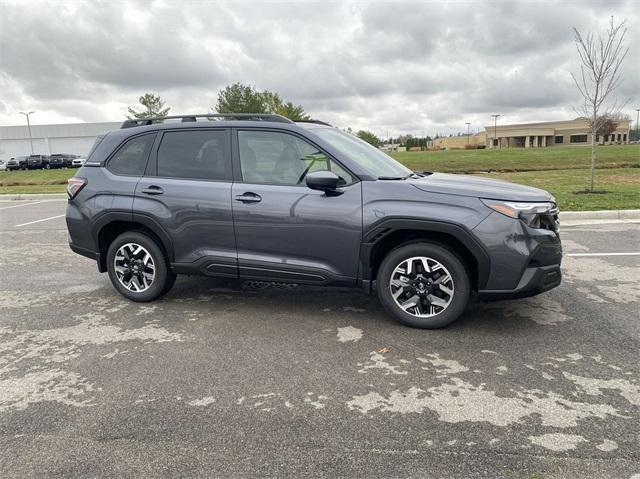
229	379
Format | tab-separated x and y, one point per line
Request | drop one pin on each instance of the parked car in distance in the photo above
56	161
62	160
264	198
78	162
38	162
3	165
17	163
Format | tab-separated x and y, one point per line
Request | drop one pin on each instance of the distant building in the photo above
460	142
392	147
551	133
74	138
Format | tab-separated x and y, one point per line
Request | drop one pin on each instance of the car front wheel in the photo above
423	285
138	268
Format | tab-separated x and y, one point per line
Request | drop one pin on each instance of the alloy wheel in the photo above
421	286
134	267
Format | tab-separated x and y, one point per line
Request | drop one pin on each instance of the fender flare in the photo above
127	217
382	229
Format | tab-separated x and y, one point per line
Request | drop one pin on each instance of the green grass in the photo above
563	171
622	186
35	181
519	159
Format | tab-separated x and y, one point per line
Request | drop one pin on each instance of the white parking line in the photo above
23	204
602	254
38	221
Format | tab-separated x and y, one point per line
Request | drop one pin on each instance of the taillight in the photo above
74	185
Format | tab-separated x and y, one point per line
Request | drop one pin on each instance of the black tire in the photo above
163	279
449	260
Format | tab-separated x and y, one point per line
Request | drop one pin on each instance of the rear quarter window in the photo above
131	158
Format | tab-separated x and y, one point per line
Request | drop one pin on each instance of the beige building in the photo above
459	142
551	133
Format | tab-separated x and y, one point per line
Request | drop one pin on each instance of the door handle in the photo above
153	190
249	198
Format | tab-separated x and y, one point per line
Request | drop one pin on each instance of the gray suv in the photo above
263	198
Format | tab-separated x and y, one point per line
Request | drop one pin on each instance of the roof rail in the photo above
319	122
213	116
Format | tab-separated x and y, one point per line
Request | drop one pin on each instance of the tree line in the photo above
241	98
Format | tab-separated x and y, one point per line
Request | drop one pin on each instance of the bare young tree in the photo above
600	69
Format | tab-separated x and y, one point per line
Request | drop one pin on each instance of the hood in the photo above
479	187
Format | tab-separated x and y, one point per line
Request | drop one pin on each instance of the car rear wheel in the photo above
423	285
138	268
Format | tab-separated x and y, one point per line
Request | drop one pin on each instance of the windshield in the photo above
370	159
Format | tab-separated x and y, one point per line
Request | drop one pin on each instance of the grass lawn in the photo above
519	159
621	184
563	171
35	181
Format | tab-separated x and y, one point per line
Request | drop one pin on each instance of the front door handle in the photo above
249	197
153	190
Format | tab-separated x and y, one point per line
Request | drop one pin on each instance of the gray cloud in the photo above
388	66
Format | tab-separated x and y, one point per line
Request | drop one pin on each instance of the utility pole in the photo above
637	117
495	129
468	136
29	127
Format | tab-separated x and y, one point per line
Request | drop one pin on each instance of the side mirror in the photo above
326	181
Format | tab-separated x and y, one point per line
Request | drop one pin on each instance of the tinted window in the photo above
195	154
271	157
578	139
131	158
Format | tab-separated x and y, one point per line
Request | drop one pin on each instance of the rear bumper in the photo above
535	280
84	251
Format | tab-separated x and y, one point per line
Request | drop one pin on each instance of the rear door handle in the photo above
153	190
249	197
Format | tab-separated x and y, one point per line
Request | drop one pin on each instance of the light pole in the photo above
637	116
29	127
495	128
468	124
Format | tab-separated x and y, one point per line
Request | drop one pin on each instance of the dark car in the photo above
57	161
38	162
61	160
17	163
263	198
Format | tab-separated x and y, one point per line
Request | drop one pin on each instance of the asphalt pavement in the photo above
230	379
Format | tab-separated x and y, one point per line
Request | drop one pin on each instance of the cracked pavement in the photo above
226	379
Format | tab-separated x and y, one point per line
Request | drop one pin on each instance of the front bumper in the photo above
525	261
535	280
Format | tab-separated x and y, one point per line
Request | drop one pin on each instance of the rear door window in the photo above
195	154
131	158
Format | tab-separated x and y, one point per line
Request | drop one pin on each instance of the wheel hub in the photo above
421	286
134	267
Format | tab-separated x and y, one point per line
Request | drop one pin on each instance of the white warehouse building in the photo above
73	138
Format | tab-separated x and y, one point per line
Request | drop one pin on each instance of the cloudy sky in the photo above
396	67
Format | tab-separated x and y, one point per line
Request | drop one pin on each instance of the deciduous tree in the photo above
601	61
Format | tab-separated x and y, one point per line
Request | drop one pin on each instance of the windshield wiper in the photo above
392	177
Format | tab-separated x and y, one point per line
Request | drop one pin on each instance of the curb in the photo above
568	218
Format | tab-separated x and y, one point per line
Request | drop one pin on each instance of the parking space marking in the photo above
38	221
602	254
23	204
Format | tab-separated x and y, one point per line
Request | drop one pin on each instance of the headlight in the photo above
529	213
